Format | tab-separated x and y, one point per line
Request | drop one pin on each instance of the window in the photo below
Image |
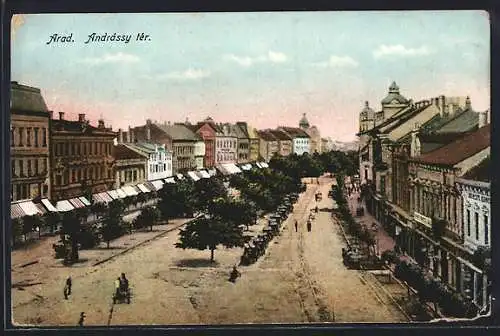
28	137
12	142
44	137
21	136
486	229
468	222
44	165
13	167
29	167
36	137
476	220
36	167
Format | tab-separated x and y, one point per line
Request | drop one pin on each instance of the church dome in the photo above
394	97
367	112
304	123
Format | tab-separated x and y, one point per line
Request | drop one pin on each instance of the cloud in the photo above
189	74
338	62
400	50
245	61
112	58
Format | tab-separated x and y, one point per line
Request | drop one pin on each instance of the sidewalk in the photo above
385	242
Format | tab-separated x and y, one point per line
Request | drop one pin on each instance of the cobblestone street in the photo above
301	278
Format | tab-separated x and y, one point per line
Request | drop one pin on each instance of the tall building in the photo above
206	129
226	144
269	145
82	157
254	144
159	162
301	140
30	144
130	166
186	150
285	142
241	130
314	135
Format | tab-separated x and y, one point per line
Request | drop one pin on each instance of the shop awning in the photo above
180	176
121	193
193	176
76	203
170	180
101	198
48	205
143	188
224	171
232	168
212	172
63	206
84	200
29	208
16	211
129	190
258	164
113	194
203	174
264	165
157	184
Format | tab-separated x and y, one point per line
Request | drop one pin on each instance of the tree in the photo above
17	230
177	200
99	209
52	219
112	224
148	217
219	227
206	191
30	223
142	198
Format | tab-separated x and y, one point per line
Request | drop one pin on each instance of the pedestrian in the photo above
296	226
82	319
117	287
309	226
68	284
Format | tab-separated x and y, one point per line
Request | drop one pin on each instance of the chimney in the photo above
148	121
61	115
120	135
100	123
483	119
441	105
51	114
148	133
129	135
81	117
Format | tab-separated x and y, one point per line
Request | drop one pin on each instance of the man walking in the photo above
67	288
296	226
82	319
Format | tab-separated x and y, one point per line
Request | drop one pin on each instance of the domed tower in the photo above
392	103
366	118
303	123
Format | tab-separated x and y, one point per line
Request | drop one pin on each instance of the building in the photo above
253	135
241	131
285	142
30	144
159	164
474	187
186	147
435	234
148	133
300	139
81	157
199	153
269	145
314	135
226	144
207	129
130	166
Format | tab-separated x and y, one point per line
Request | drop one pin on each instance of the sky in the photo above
264	68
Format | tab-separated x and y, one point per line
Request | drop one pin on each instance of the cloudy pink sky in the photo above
263	68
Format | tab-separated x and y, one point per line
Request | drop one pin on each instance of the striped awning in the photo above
41	208
258	164
129	190
16	211
102	198
63	206
84	200
143	188
76	203
155	185
121	193
49	205
193	176
29	208
170	180
204	174
113	194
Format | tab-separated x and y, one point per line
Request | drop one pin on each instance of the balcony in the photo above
418	217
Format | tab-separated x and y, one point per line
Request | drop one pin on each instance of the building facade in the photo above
30	144
159	163
226	144
206	129
199	153
254	152
81	157
241	130
285	142
300	140
130	166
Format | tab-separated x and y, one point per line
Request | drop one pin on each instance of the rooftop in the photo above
459	150
179	132
266	135
27	98
295	132
79	128
480	172
280	135
122	152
